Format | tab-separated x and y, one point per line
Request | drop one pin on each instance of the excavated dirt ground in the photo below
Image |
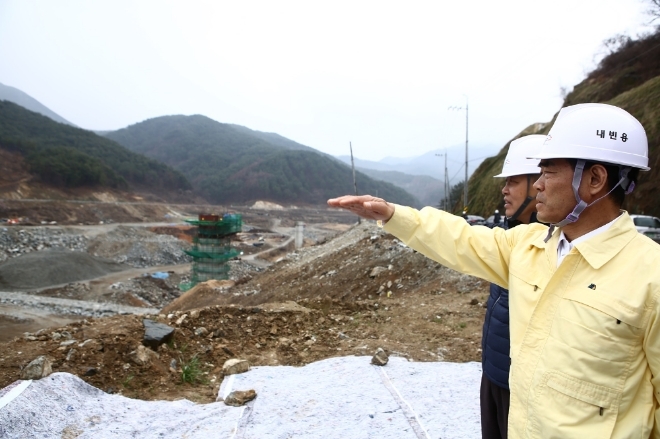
357	292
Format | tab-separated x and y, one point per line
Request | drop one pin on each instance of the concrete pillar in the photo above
299	234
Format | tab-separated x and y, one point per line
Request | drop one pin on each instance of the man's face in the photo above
515	192
555	199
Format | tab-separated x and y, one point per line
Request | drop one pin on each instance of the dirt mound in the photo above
52	267
200	296
139	247
363	263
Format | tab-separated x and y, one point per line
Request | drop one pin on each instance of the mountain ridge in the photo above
229	163
12	94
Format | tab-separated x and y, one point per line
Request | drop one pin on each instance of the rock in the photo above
156	333
38	368
380	358
181	319
71	354
194	314
201	332
376	271
90	371
142	355
67	343
239	397
235	366
474	302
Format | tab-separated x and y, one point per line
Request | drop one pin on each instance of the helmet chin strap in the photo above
525	203
572	217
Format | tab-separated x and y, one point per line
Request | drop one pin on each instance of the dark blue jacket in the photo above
495	343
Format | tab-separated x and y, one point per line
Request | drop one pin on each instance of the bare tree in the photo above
654	9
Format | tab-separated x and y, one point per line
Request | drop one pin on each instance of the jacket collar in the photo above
598	250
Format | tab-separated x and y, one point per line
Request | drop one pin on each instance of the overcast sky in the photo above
380	74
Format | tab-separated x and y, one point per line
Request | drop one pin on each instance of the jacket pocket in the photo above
567	407
595	326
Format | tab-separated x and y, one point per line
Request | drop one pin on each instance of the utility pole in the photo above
447	187
465	193
465	185
447	201
354	180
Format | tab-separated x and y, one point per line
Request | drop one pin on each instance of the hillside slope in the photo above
62	155
229	164
428	190
628	78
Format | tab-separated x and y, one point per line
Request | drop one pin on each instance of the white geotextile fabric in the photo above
343	397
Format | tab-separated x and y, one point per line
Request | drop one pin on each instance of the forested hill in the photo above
628	78
229	163
63	155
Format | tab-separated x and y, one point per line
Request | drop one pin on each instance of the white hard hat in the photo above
597	132
517	161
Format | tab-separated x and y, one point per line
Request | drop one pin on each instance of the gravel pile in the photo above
15	242
242	270
139	248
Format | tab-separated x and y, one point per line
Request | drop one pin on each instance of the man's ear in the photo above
597	179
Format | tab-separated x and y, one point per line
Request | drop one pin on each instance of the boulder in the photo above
155	334
142	355
239	397
38	368
380	358
235	366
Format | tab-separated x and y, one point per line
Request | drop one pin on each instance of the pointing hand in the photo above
365	206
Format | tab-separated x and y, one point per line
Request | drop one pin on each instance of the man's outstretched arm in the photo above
365	206
441	236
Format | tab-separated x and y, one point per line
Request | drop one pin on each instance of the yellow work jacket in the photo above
585	348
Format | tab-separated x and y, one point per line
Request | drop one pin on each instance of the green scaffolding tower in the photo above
211	248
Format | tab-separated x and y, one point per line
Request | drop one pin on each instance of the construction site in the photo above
269	285
285	287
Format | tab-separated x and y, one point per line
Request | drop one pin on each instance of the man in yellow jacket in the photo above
584	294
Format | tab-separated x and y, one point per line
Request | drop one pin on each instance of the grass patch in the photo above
191	371
127	381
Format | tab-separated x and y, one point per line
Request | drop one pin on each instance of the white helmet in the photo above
597	132
517	161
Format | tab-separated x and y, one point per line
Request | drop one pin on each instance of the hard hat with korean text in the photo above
597	132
